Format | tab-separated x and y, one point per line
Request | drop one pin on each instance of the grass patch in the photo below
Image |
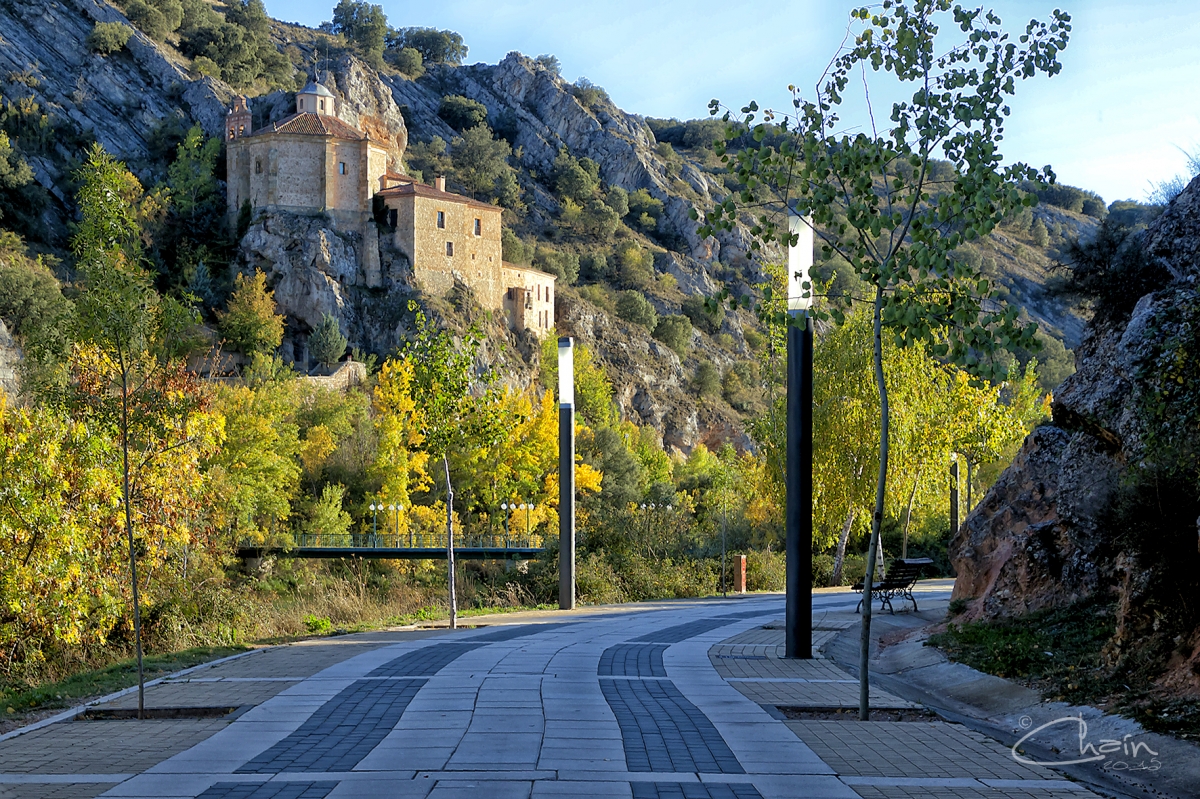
97	682
1058	652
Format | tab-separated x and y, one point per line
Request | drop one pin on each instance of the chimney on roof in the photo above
439	183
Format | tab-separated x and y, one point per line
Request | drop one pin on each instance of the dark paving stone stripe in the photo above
342	732
682	632
517	631
633	660
269	790
693	790
663	732
424	662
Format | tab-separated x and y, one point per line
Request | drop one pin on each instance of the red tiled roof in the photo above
425	190
307	123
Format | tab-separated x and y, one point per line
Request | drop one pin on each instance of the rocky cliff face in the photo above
117	100
1045	536
548	117
10	358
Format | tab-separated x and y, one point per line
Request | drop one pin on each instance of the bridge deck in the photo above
398	553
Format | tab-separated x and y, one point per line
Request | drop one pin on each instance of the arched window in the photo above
258	166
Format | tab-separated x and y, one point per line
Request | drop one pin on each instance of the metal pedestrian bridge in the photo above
403	546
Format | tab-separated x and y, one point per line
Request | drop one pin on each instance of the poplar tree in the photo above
133	336
875	200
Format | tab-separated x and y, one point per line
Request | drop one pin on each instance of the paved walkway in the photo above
675	699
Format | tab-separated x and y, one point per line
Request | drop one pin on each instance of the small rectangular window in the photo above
478	227
322	105
449	248
441	219
341	167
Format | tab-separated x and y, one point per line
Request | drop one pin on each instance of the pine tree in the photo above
327	344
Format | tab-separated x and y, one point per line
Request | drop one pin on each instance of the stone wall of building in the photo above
303	174
439	254
528	298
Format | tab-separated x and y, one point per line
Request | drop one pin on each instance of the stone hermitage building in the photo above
312	162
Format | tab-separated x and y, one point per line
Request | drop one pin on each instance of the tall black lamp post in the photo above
566	474
798	521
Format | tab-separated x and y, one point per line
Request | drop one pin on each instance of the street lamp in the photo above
798	623
566	474
504	507
395	522
375	519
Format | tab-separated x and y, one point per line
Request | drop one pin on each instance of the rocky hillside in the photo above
129	100
1105	500
53	79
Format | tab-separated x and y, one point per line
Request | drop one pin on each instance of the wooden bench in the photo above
899	580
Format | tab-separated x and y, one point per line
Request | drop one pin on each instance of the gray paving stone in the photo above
691	629
476	789
272	790
581	790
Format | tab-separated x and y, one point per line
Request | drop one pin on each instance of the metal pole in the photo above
566	476
450	544
798	638
724	526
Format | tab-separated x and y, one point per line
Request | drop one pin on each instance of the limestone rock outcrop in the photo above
119	100
1043	535
316	268
653	385
546	117
10	358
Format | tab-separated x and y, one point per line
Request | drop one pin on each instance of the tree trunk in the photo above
908	514
840	560
137	609
970	478
450	544
864	704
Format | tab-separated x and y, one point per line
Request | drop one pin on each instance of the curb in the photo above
977	719
73	712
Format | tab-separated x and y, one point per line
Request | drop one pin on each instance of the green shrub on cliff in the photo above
108	37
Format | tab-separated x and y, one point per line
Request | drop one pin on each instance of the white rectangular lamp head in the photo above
566	372
800	262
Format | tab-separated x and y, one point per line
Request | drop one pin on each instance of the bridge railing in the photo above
415	541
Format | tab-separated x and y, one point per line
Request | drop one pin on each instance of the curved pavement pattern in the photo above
661	703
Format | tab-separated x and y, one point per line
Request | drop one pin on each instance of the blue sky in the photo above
1112	121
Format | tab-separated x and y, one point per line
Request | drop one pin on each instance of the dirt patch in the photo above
851	714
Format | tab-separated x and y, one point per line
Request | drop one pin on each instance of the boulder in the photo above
1043	536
